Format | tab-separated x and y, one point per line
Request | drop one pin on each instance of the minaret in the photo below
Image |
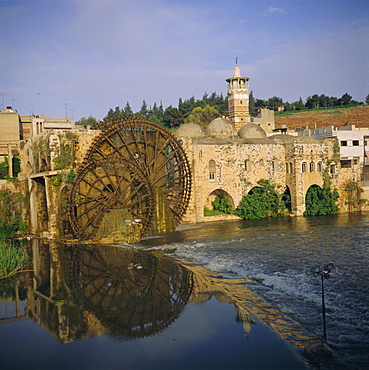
238	98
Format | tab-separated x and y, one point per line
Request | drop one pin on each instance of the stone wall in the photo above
295	164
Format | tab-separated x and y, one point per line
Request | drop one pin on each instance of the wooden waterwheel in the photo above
108	183
148	151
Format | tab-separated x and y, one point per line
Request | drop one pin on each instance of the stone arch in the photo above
286	197
218	193
303	167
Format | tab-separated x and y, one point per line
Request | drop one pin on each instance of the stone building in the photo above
231	156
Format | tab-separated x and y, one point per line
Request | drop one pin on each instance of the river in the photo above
220	295
278	255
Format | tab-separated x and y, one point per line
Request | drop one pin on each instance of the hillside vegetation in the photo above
358	116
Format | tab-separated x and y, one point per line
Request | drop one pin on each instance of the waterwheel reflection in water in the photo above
132	293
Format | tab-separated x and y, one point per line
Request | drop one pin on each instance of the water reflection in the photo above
79	291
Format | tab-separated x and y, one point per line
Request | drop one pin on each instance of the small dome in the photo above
221	127
190	130
251	131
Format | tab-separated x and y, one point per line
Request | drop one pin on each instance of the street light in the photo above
324	273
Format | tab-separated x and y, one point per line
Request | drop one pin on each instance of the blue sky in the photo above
82	57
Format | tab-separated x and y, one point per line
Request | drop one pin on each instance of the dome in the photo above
251	131
221	127
190	130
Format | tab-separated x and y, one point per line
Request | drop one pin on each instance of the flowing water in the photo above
278	255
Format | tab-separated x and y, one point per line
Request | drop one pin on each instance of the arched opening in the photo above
286	198
262	201
303	167
312	167
218	202
320	201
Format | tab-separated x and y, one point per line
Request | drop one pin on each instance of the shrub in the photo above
222	205
263	201
321	201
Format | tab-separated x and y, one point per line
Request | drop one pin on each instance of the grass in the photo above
210	212
13	259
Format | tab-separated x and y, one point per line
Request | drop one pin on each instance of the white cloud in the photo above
273	9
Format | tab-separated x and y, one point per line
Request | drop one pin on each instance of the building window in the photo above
344	143
319	167
346	163
312	167
261	162
212	168
275	165
248	165
355	142
332	169
303	167
287	167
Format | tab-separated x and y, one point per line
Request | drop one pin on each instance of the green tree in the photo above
252	109
301	105
127	111
90	121
345	99
312	102
321	201
172	117
203	116
144	111
274	102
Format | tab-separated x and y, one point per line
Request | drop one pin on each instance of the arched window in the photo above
248	165
261	162
312	167
332	169
291	167
212	168
275	165
319	167
287	167
303	167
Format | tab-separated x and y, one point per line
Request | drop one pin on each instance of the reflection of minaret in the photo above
238	98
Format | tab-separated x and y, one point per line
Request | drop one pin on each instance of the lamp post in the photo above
324	273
